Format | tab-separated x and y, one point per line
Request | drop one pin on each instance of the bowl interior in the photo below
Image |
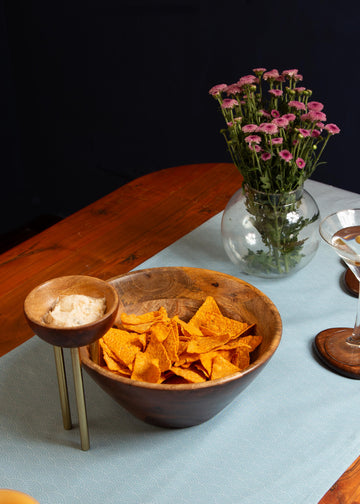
43	297
181	291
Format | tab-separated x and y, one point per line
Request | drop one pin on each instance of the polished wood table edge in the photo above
191	193
130	221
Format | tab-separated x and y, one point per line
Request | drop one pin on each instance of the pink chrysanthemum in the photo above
276	92
282	122
300	163
304	132
232	89
300	89
247	80
316	106
286	155
249	128
217	89
253	139
266	156
269	128
255	147
332	129
275	113
289	117
316	116
271	74
290	73
297	104
277	141
229	103
259	71
264	113
298	77
315	133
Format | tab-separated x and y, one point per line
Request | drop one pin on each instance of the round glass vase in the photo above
270	235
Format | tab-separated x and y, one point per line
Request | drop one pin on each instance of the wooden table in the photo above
118	232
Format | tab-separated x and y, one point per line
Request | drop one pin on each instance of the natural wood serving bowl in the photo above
43	297
181	291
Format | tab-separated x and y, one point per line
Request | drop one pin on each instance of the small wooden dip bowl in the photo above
181	291
43	297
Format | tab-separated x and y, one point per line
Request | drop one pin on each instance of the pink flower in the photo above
272	74
247	80
286	155
297	104
229	103
289	117
276	92
282	122
315	133
264	113
316	106
300	90
298	77
249	128
253	139
300	163
316	116
217	89
266	156
269	128
259	71
232	89
290	73
304	132
275	113
332	129
255	147
277	141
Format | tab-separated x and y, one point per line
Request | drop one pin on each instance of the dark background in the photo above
97	93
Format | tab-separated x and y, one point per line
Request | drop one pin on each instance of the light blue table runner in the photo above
284	440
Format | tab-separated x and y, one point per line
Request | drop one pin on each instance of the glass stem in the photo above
355	338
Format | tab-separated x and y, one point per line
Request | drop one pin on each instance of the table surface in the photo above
117	233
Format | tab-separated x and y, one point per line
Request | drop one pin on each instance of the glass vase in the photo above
270	235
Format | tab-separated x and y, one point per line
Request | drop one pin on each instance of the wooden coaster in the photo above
336	353
351	282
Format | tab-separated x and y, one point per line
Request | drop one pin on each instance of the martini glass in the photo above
339	347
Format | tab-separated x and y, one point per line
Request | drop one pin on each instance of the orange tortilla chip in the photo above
112	363
146	369
124	345
155	348
142	323
191	375
222	367
207	343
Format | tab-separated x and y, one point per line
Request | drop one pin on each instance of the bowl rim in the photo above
108	314
264	359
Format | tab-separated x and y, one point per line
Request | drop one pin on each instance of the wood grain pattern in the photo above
112	235
117	233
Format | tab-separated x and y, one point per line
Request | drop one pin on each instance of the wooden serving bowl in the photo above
43	297
181	291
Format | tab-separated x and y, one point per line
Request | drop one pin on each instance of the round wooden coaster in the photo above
336	353
351	282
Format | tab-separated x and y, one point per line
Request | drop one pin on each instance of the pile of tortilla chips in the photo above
155	348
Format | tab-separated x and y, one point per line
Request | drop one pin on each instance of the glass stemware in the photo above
339	347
